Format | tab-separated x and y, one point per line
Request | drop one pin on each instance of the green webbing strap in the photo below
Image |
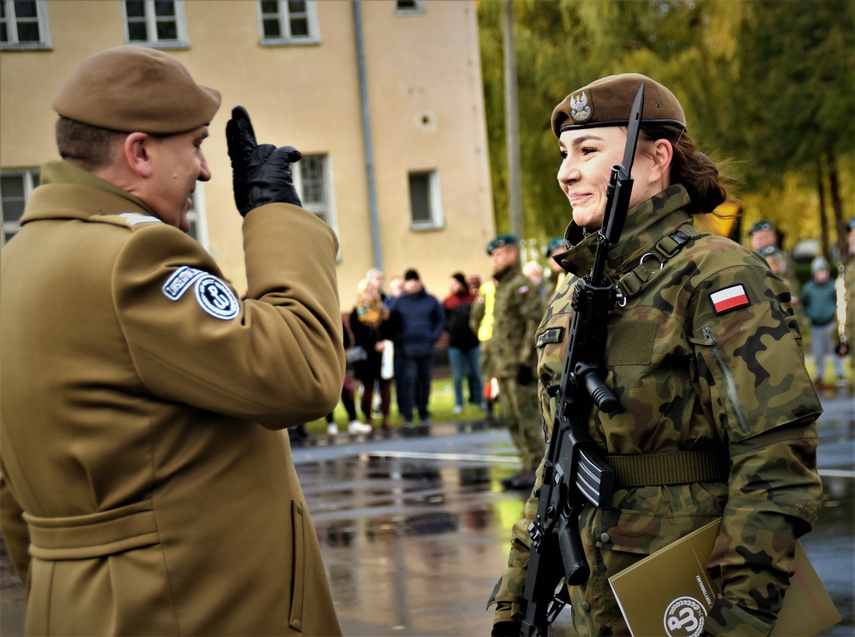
631	283
680	467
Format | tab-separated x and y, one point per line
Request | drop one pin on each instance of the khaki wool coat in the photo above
147	484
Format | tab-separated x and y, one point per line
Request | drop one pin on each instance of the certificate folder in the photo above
668	593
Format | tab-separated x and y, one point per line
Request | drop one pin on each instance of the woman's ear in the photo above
662	154
136	149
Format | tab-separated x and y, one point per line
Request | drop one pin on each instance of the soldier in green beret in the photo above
517	308
764	237
557	274
147	483
704	356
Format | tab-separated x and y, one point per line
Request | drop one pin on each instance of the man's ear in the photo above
136	149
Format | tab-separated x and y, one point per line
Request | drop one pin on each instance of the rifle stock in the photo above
573	472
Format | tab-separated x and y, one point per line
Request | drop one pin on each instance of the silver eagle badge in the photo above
579	109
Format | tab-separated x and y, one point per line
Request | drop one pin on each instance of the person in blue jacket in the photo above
418	320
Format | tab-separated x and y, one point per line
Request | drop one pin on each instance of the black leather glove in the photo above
506	629
524	375
261	174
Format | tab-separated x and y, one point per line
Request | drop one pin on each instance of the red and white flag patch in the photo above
730	298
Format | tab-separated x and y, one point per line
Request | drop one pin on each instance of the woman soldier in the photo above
704	356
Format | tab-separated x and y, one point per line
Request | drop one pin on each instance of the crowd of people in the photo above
490	330
824	303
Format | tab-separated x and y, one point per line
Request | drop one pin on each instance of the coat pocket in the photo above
298	577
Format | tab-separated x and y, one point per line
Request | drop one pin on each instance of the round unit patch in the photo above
216	298
684	617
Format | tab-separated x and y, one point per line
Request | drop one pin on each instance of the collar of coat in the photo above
69	192
646	223
509	272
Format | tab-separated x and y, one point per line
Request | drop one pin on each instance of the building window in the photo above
425	200
15	187
24	25
158	23
313	180
288	21
198	228
409	6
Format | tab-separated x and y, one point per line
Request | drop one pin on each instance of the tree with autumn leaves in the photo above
767	86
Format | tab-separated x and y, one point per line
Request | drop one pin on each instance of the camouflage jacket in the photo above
690	373
517	309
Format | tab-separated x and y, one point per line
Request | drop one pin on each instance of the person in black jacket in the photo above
369	323
464	352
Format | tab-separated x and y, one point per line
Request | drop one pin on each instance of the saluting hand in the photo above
260	174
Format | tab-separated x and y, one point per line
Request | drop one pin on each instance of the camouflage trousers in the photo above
521	410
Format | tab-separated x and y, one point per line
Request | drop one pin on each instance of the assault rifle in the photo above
573	472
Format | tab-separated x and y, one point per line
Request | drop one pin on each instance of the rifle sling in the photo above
681	467
631	283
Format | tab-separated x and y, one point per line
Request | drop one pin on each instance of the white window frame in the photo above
11	22
29	177
325	210
418	8
283	15
181	41
197	215
437	218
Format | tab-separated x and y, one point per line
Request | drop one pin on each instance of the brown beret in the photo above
134	88
608	101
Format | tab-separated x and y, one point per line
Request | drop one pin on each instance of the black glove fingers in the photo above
284	156
240	135
261	174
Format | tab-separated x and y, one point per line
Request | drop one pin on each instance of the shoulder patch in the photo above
523	290
216	298
549	336
729	298
180	280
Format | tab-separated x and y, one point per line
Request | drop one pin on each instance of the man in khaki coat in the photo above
147	484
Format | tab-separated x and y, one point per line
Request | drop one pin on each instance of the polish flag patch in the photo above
729	299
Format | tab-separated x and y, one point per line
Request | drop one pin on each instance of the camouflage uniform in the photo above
517	310
689	378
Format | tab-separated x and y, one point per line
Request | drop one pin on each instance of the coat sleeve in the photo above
14	529
752	377
276	358
438	321
531	307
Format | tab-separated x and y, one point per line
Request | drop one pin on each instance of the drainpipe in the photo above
512	123
366	136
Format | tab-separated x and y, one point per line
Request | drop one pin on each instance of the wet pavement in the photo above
414	529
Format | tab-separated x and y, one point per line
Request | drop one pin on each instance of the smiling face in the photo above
588	155
177	164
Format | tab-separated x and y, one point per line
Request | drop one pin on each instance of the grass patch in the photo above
441	405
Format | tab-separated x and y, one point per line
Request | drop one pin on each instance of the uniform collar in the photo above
646	224
69	192
509	271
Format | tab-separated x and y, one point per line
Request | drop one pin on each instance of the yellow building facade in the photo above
383	97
